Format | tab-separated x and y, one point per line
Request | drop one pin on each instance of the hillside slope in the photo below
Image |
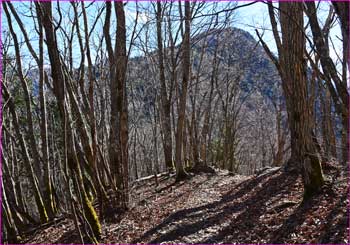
221	208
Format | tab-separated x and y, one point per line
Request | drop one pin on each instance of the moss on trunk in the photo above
92	217
49	202
313	179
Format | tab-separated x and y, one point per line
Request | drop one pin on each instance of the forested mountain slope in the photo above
246	99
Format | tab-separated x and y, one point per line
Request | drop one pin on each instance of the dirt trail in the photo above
222	208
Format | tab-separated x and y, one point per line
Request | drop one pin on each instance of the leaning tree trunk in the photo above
9	224
44	175
33	169
337	86
60	82
28	162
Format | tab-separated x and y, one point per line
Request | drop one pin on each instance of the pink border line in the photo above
348	133
173	0
1	61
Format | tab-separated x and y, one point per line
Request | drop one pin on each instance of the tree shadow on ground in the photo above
70	236
290	225
246	225
265	209
179	225
336	223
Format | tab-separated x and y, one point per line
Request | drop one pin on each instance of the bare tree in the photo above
119	107
337	85
292	68
185	47
62	85
165	96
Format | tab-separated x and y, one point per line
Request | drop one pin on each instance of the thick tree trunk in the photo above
295	86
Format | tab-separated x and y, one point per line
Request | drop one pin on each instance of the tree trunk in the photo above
48	197
119	107
60	81
28	162
278	160
295	87
337	86
165	101
180	171
329	142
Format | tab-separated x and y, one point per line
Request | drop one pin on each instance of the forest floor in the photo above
223	208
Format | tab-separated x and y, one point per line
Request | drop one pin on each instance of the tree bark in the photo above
119	105
28	162
328	135
165	101
336	85
60	82
180	171
292	68
295	86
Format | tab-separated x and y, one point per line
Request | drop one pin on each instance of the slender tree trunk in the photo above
329	142
121	63
27	99
165	101
12	232
28	163
48	197
278	160
119	105
60	82
207	115
180	171
337	86
342	10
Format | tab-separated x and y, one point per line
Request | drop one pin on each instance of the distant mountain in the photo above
239	48
238	52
